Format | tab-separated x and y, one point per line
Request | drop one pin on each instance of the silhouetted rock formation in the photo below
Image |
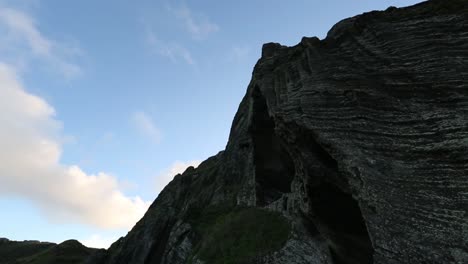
347	150
359	141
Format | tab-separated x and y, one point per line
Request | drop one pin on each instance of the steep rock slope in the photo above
354	148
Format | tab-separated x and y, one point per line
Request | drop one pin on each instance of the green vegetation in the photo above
238	235
70	252
10	251
31	252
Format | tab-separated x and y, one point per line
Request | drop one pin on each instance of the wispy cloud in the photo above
22	38
145	125
174	51
239	53
196	24
31	140
168	174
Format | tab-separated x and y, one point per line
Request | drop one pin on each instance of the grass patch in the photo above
238	235
70	252
10	251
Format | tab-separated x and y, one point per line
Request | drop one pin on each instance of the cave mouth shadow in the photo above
334	213
340	220
274	167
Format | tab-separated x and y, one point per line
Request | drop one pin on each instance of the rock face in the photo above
347	150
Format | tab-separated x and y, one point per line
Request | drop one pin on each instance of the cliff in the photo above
348	150
355	147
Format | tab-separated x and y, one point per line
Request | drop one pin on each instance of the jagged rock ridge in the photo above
354	148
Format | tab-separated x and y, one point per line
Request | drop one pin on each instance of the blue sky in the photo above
102	102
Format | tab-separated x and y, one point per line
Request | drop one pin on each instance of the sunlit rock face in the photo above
354	147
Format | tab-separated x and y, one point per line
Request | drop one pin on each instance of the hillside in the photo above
35	252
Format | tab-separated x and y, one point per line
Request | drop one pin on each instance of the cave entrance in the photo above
343	225
274	168
334	211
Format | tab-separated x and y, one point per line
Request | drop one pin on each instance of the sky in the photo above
103	102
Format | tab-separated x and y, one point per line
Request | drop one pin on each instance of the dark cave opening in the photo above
334	210
274	168
334	213
340	217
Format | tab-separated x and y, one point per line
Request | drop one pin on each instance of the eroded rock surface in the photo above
359	141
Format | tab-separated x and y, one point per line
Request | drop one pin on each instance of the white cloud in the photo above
168	174
171	50
30	150
145	125
196	24
22	38
99	241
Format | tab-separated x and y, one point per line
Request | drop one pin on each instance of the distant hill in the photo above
35	252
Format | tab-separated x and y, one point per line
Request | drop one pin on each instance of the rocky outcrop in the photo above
358	141
348	150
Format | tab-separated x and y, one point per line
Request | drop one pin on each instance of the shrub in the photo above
239	235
